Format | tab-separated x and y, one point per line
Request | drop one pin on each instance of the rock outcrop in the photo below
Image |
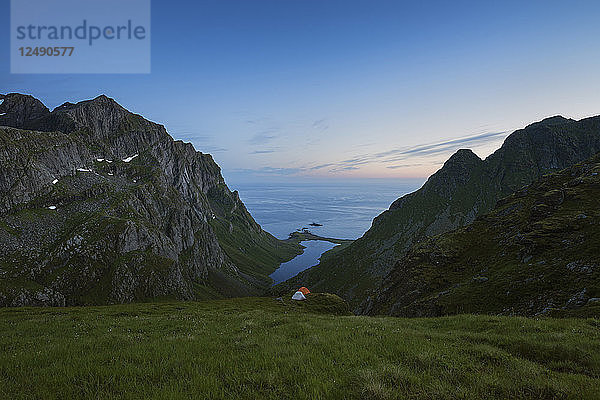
99	205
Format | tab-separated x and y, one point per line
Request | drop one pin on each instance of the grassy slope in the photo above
255	348
255	252
535	251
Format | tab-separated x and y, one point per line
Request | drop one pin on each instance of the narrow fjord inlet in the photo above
313	250
298	199
344	210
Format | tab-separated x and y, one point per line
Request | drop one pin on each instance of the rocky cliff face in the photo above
535	253
454	196
99	205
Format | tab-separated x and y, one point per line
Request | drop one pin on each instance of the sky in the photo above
324	89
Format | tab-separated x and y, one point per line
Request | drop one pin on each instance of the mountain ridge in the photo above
164	210
535	253
454	196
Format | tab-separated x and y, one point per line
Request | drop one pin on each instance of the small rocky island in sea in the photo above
304	234
315	224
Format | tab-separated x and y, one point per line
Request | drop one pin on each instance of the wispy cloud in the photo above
263	151
429	154
358	160
201	140
316	167
405	166
211	149
424	155
184	131
444	146
346	168
190	136
321	124
268	171
280	171
264	137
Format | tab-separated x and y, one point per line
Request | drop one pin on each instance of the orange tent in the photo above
304	290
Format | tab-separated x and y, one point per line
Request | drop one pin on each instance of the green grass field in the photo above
263	348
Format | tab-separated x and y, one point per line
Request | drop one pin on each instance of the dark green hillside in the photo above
255	252
537	252
263	348
454	196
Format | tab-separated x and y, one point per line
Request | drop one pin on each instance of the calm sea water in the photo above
345	210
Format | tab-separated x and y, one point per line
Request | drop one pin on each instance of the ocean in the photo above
345	210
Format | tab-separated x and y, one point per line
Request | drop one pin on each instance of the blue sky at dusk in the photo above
347	89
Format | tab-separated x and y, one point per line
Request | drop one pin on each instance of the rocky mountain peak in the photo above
121	212
65	106
99	101
100	115
456	172
556	120
463	158
17	109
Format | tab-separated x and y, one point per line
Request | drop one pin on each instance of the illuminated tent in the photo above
298	296
304	290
